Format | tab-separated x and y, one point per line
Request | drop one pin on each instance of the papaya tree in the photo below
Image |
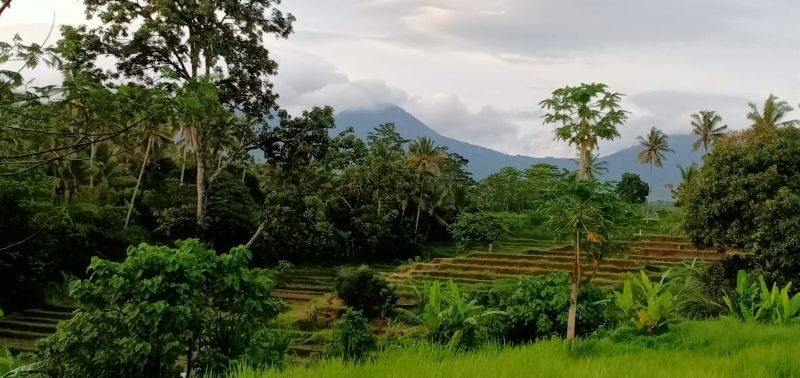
583	116
598	220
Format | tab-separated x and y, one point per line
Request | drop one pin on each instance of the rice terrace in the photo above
382	188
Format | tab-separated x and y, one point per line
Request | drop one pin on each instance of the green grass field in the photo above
719	348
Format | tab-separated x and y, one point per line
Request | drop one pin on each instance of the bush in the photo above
137	317
650	306
352	340
537	309
484	228
267	349
756	302
365	290
453	320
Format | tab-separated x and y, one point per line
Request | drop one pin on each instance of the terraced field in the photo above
655	254
309	291
19	332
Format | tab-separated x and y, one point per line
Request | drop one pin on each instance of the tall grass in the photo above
721	348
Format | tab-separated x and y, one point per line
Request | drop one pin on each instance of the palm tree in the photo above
425	158
656	145
154	135
594	167
705	127
771	115
688	183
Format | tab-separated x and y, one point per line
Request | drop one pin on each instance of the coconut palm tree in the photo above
425	158
705	127
772	114
688	183
594	166
655	146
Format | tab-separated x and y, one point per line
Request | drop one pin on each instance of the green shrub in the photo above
756	302
537	309
484	228
352	340
453	320
138	317
650	306
267	349
365	290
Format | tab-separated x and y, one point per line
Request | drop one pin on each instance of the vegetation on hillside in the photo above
122	187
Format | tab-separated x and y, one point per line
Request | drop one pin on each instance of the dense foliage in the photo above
747	198
484	228
452	319
632	189
352	340
537	309
365	290
139	316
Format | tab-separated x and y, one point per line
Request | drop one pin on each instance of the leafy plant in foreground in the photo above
649	305
537	308
138	317
352	339
451	319
756	302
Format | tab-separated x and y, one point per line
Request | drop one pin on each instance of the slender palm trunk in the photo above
183	158
575	289
201	178
183	165
244	172
256	234
91	164
419	209
139	181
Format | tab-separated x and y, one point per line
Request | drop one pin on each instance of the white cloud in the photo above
476	70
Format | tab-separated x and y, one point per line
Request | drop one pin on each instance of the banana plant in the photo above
450	318
650	307
757	302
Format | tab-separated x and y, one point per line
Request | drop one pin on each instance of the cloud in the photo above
307	80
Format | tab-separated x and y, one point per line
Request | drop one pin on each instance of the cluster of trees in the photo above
182	138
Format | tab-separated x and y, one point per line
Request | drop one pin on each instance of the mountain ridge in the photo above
484	161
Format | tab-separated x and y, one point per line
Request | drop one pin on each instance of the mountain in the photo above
484	161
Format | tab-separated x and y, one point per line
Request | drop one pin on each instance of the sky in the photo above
476	70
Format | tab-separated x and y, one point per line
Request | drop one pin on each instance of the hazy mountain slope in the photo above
484	161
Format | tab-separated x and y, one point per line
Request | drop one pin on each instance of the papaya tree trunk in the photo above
575	289
139	180
201	176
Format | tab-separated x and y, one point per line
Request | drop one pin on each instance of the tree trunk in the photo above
256	234
190	359
139	181
576	287
183	165
490	247
244	171
201	177
582	151
92	152
419	209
